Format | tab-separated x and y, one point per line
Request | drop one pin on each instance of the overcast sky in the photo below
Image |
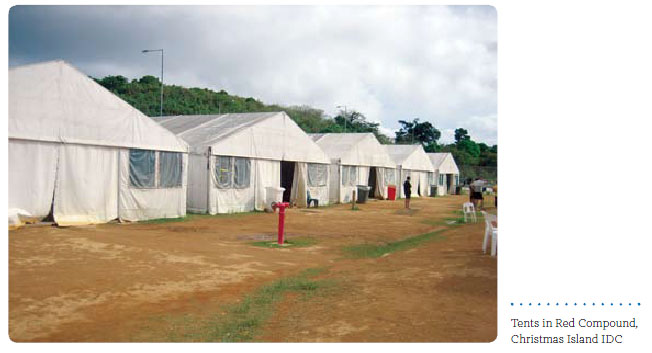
435	63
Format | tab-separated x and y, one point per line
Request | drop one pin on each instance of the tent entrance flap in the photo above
449	183
287	179
371	182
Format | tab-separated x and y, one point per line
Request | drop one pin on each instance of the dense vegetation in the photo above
144	94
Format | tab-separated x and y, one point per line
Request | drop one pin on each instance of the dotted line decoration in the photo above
575	304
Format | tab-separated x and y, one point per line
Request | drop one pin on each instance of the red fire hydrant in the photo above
281	218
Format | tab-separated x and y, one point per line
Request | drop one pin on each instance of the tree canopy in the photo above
418	132
144	94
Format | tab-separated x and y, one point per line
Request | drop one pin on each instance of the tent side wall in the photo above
318	192
31	173
197	193
90	184
230	199
334	181
263	174
137	204
87	185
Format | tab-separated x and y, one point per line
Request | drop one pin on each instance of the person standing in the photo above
407	190
476	194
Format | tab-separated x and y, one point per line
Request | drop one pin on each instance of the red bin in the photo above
391	192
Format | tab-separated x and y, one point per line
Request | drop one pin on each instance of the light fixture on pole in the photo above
161	50
340	107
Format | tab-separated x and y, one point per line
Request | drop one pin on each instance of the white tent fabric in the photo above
68	137
55	102
361	150
445	165
267	135
16	216
354	149
265	139
411	161
32	174
83	196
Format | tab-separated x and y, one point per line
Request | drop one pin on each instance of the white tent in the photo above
446	172
235	157
412	161
85	155
356	159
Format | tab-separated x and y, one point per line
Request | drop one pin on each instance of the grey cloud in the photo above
432	62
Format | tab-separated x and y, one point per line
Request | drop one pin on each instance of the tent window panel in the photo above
345	175
431	178
390	176
353	177
142	168
170	169
457	180
317	174
242	173
223	171
441	179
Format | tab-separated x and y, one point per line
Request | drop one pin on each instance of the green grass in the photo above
243	321
378	250
456	220
293	243
193	216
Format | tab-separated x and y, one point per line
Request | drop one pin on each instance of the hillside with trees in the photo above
473	158
144	94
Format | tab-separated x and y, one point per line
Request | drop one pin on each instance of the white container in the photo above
273	194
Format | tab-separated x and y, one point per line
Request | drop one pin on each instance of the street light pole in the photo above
161	50
344	106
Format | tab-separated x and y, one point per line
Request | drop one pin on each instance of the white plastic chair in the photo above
469	209
490	230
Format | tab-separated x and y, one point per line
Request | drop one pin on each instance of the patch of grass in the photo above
192	216
242	322
165	220
378	250
289	243
457	220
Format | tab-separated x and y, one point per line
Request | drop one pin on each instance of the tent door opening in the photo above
287	177
371	182
50	216
449	183
419	186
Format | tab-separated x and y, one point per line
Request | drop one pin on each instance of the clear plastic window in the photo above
390	176
317	174
142	168
170	169
353	176
242	173
223	171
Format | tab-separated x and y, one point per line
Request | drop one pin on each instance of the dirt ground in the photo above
123	282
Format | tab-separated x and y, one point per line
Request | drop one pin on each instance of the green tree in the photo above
469	147
418	132
461	135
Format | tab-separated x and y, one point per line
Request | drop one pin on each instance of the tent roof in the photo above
266	135
444	163
55	102
354	149
410	157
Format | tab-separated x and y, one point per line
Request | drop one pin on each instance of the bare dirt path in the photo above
118	282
